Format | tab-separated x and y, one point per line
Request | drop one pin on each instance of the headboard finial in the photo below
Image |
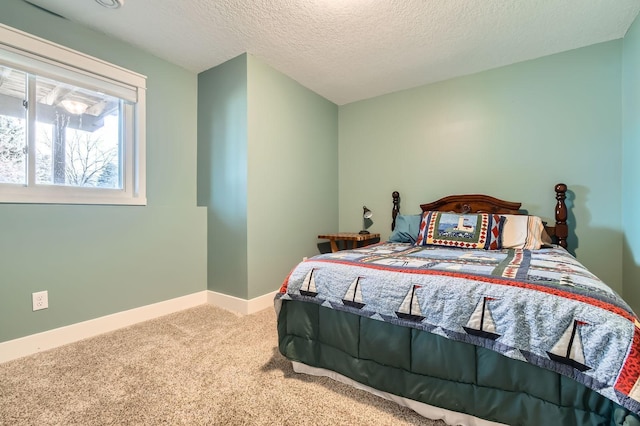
562	230
561	187
396	208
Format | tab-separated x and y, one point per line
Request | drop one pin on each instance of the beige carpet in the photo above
202	366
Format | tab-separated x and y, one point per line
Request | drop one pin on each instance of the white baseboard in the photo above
241	306
28	345
50	339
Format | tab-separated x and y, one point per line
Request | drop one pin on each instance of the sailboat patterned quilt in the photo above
538	306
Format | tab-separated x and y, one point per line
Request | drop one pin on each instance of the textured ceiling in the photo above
347	50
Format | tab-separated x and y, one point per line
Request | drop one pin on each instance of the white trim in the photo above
46	49
51	339
425	410
34	343
51	194
28	53
140	149
241	306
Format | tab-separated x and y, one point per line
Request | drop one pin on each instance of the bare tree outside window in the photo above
12	150
90	158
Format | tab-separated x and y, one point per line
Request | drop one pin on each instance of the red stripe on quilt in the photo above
631	368
285	284
492	280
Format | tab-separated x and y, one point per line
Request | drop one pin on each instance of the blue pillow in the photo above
407	229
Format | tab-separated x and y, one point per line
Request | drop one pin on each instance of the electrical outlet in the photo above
40	300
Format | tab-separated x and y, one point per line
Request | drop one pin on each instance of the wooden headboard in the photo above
478	203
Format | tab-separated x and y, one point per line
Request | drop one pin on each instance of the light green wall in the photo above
274	175
630	169
222	173
512	132
98	260
293	174
268	160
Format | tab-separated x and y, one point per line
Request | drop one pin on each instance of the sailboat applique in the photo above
410	308
568	349
309	285
353	296
565	279
481	322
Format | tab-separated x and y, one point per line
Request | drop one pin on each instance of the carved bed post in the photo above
396	208
562	230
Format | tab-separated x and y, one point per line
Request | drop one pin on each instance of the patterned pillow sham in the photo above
472	230
523	232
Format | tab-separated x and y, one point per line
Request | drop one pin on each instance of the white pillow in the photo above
522	232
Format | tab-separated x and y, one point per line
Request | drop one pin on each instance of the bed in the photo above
473	313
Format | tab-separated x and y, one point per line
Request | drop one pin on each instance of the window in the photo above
71	126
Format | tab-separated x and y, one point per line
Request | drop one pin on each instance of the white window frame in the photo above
26	52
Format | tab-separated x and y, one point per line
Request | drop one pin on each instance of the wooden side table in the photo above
354	237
